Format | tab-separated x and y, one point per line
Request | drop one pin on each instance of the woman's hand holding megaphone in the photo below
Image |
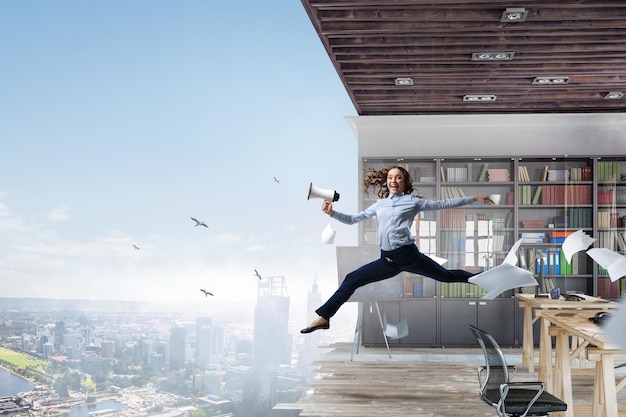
327	207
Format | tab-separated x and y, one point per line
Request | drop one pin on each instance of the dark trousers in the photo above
406	258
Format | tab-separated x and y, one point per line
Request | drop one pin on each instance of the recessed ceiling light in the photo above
613	95
404	81
492	56
479	97
514	15
551	80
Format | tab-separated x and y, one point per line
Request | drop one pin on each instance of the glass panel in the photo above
555	198
611	221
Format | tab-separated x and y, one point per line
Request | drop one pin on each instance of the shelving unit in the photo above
542	199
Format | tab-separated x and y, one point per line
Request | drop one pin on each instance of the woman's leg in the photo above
410	259
377	270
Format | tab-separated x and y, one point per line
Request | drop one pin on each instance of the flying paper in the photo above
613	262
615	327
328	234
437	259
511	257
576	242
502	278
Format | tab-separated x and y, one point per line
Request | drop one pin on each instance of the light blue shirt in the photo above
395	214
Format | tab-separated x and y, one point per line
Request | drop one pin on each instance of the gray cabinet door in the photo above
421	317
455	316
494	316
497	317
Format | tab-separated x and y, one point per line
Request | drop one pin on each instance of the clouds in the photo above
60	213
158	140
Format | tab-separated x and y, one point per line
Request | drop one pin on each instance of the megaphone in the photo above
316	192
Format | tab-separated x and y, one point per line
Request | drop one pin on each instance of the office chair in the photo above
395	331
510	399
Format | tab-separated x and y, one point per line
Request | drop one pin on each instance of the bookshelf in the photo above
542	199
610	220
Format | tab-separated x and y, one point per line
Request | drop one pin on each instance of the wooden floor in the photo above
417	382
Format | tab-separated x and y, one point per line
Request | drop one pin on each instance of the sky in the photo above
120	120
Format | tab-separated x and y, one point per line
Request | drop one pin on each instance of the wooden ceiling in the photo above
371	43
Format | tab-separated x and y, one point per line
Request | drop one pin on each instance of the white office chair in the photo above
392	331
395	331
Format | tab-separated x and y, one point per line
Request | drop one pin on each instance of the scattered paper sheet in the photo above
502	278
615	327
613	262
511	257
328	235
437	259
576	242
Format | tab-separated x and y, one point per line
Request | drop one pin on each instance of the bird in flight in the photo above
206	293
136	247
199	223
276	179
257	274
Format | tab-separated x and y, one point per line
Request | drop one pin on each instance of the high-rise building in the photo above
177	348
59	331
108	349
271	344
309	350
209	345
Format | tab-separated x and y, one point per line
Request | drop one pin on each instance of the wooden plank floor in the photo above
417	382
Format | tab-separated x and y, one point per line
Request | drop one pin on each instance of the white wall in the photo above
481	135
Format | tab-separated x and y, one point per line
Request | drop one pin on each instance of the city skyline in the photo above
233	362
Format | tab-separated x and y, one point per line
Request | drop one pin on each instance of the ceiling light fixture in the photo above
403	81
614	95
492	56
550	80
514	15
479	97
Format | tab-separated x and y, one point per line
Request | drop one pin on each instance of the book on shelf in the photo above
483	173
510	197
558	175
524	194
533	237
608	219
544	173
533	224
522	174
609	171
606	196
612	240
456	174
418	290
566	194
498	175
580	173
452	192
537	194
577	217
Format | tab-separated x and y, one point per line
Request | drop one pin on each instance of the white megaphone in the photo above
316	192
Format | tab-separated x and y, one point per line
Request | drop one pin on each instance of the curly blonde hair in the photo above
378	179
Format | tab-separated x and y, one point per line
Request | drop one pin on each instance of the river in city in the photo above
93	410
11	384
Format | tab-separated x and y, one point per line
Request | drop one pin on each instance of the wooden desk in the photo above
532	307
576	324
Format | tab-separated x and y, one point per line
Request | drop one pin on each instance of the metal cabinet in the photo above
443	322
495	316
